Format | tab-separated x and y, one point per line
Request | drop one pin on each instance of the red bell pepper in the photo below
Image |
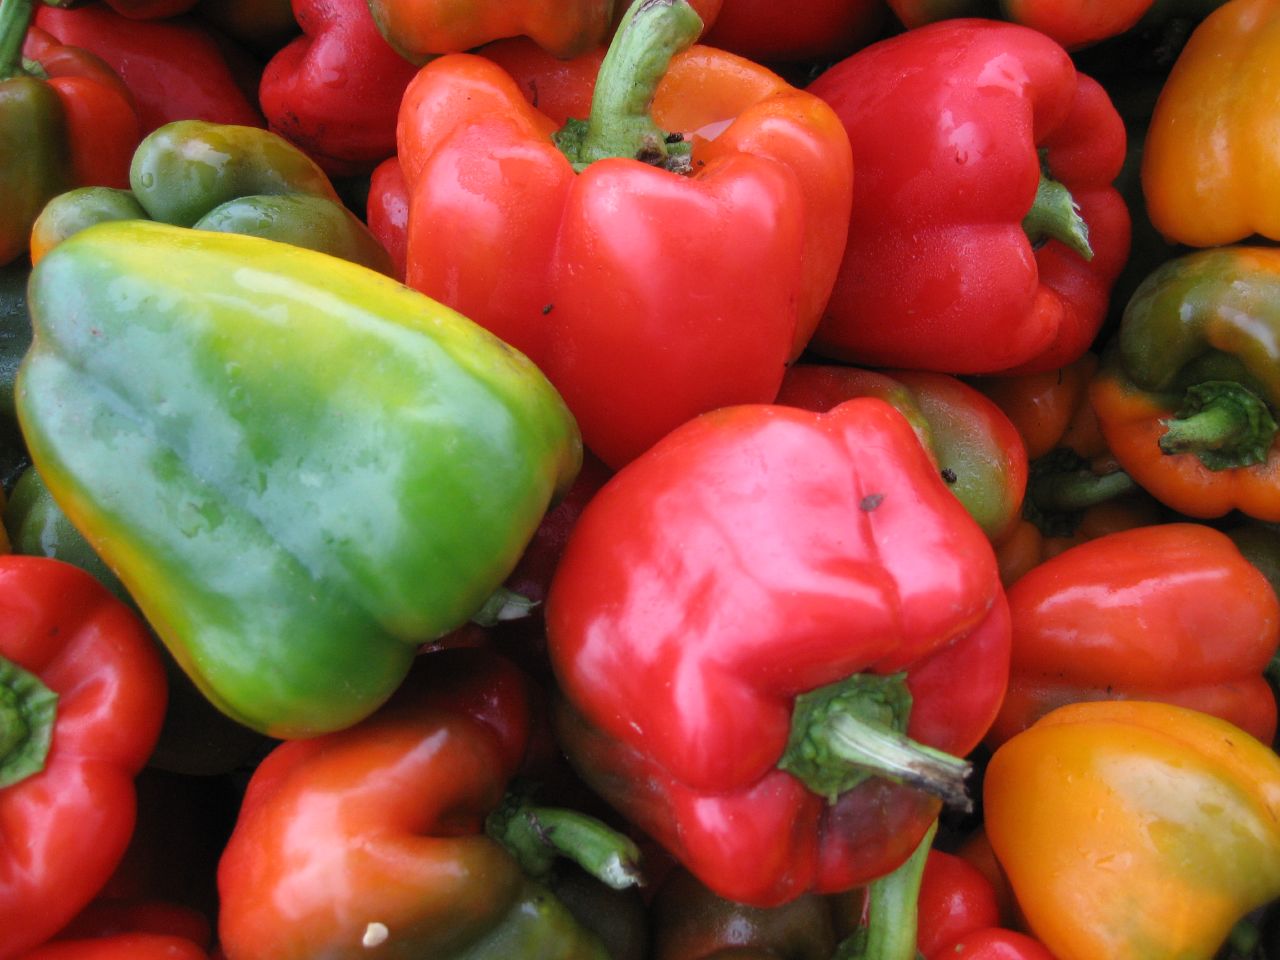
974	142
120	946
710	281
758	568
955	899
173	68
335	91
387	212
772	32
82	697
374	836
138	9
1172	612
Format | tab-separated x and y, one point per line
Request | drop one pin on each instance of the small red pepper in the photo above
1172	612
335	91
955	899
173	68
82	697
769	569
974	142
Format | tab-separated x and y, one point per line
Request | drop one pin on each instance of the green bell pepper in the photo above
300	469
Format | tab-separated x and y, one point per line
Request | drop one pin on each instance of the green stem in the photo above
891	931
1223	423
503	605
15	18
650	34
1078	490
537	836
28	710
850	731
1055	216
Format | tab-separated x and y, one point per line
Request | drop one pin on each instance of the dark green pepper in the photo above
300	469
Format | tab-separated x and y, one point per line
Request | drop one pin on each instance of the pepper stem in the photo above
503	605
847	732
1078	490
1055	216
1223	423
15	18
28	710
891	930
649	35
536	836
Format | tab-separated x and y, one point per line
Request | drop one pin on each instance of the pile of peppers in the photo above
639	480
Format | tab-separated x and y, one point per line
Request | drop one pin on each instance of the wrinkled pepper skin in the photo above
976	448
348	127
1206	320
1172	612
668	643
67	824
316	471
419	29
383	824
947	123
1135	830
1209	152
503	229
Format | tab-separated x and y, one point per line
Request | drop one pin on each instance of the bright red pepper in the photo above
996	944
958	129
1172	612
387	212
755	555
711	281
955	899
82	697
335	91
173	68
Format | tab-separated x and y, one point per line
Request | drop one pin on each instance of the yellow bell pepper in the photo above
1212	153
1133	830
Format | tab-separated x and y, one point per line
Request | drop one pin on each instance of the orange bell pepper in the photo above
1172	612
1135	830
1211	148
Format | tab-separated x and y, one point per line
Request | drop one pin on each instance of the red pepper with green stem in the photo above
371	841
757	570
966	252
82	696
711	256
335	91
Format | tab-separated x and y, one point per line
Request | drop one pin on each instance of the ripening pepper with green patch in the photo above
299	469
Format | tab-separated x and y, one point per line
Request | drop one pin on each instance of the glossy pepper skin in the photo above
668	642
173	68
83	695
503	229
1204	162
370	842
977	450
955	899
225	178
347	127
1188	803
1172	612
948	123
363	465
1188	389
419	29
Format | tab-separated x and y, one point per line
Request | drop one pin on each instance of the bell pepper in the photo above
668	642
173	68
120	946
388	839
540	257
1204	160
966	252
335	91
65	120
137	9
692	923
774	33
975	448
955	898
1188	389
360	467
387	213
1135	829
225	178
420	29
1172	612
105	918
1072	23
82	695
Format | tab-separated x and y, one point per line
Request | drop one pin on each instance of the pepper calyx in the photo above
1225	424
28	711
